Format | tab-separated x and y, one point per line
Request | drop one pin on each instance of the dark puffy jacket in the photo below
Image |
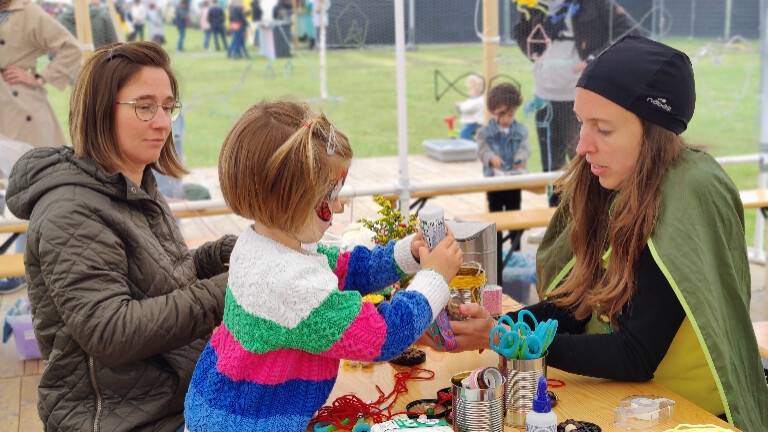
596	23
216	16
121	308
102	31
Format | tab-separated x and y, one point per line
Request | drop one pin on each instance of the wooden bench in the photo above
421	196
12	265
761	334
514	221
539	217
755	199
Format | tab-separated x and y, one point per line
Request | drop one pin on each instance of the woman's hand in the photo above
580	67
471	334
15	75
474	332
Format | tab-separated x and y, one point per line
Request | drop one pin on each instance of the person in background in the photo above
102	30
155	21
180	20
216	20
283	10
320	15
294	306
560	37
138	17
305	30
121	308
205	25
237	24
472	110
26	114
172	188
503	149
644	263
256	14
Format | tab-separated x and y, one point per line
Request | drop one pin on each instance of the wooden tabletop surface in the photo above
581	398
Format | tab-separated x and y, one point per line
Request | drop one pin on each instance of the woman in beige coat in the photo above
26	33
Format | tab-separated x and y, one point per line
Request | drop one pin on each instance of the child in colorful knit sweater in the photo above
293	308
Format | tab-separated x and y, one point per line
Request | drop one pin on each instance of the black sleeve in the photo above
623	23
646	327
522	30
544	310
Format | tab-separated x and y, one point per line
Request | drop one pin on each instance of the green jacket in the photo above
121	308
699	244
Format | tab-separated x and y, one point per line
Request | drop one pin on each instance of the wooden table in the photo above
582	398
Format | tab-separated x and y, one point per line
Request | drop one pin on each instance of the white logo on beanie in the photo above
661	103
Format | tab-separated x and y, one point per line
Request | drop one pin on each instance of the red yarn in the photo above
352	407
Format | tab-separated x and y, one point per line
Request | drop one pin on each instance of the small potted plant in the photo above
392	225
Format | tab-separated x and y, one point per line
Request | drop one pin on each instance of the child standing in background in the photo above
472	110
293	307
502	146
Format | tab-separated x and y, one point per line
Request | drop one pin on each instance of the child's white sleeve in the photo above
403	256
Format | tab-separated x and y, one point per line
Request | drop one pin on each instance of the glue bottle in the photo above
541	418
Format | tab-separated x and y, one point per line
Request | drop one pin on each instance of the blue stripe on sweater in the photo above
372	270
215	402
405	313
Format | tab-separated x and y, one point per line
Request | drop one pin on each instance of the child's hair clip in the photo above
331	144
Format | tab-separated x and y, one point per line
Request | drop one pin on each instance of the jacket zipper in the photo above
92	372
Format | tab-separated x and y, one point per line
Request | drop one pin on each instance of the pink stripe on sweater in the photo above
274	367
364	338
342	264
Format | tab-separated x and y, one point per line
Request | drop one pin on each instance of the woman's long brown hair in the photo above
622	220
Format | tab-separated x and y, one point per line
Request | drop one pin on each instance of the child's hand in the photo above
497	162
417	243
445	258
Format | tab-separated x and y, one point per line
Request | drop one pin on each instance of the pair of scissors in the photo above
544	330
519	341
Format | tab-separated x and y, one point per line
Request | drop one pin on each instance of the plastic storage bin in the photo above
18	321
451	150
519	278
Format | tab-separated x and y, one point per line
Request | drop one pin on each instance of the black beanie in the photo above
650	79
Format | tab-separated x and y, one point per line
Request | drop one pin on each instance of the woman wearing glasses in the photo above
122	309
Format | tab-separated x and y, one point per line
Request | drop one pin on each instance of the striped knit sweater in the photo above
289	317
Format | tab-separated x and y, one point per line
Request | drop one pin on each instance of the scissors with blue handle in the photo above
519	341
509	340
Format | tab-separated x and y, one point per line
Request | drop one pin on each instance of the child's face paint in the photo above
325	208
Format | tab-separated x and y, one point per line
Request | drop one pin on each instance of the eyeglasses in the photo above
146	108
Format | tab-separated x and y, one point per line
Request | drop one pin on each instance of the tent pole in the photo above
403	183
490	44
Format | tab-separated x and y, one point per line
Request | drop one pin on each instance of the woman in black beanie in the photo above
644	263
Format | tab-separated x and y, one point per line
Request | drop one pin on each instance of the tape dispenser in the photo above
643	411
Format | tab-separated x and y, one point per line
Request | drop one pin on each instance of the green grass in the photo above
362	86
